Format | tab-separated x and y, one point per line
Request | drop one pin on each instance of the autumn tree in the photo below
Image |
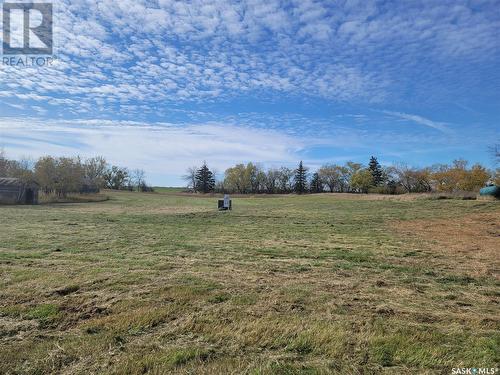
351	169
239	178
46	173
362	180
60	175
70	175
94	170
457	177
474	179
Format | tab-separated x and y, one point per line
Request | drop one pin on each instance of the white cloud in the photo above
203	50
441	126
157	148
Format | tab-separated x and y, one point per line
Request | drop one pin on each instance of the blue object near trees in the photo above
490	191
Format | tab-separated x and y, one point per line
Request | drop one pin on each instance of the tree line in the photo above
350	177
65	175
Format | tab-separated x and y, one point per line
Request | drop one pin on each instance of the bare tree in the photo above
415	180
95	169
190	177
4	163
138	179
272	179
495	151
331	176
285	180
22	169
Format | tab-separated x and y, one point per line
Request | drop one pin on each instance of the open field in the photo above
161	189
163	283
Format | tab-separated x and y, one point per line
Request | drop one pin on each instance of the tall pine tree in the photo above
205	180
376	170
300	180
317	185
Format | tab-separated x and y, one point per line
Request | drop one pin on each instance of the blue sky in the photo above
163	85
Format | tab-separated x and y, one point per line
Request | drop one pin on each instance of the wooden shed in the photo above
17	191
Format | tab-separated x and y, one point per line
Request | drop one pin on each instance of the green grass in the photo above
164	283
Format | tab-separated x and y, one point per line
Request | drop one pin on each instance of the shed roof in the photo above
7	181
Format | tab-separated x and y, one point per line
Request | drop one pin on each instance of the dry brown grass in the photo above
470	242
156	283
45	198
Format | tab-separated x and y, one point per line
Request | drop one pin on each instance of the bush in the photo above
53	197
460	195
390	190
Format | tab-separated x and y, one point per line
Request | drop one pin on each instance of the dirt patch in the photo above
66	290
75	313
471	242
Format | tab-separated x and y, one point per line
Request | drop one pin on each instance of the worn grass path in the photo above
163	283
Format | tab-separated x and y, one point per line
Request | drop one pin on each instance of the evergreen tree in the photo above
205	181
376	170
317	185
300	179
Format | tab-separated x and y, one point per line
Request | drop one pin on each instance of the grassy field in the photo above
160	189
163	283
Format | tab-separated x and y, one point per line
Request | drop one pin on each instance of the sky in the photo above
163	85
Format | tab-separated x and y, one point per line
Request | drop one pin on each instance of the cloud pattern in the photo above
298	69
141	54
